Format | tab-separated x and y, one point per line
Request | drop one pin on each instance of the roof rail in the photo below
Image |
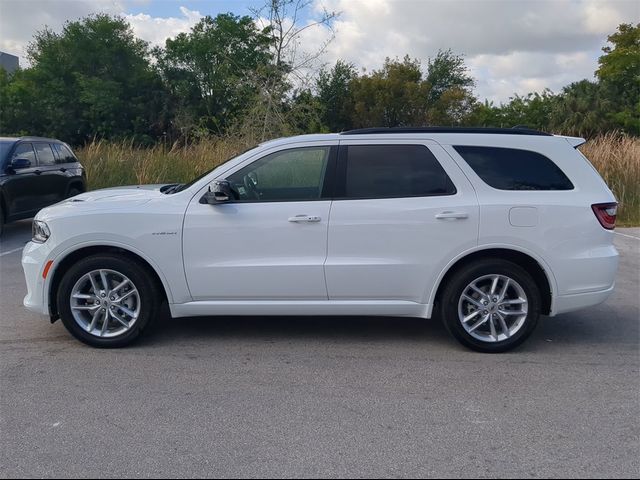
485	130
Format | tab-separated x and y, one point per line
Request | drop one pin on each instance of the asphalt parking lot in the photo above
330	397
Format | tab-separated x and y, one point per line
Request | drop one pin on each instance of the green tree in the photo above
394	96
213	72
619	75
450	97
92	79
335	96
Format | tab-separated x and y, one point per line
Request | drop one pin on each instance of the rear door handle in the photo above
305	219
37	172
452	215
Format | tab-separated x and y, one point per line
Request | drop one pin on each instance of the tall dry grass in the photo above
111	164
617	158
108	164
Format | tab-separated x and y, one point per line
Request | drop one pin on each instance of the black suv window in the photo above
387	171
45	154
514	169
290	175
25	151
64	154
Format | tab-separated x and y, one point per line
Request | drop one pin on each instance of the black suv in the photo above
35	173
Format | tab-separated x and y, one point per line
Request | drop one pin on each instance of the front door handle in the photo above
37	172
305	219
452	215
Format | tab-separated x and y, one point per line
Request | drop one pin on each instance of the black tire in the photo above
469	273
73	191
150	298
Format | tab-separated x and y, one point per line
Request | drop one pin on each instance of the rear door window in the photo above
514	169
45	154
391	171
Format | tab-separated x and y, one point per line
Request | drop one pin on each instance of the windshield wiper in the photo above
172	188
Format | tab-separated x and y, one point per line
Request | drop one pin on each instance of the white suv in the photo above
486	228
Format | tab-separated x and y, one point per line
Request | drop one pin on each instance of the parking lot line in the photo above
11	251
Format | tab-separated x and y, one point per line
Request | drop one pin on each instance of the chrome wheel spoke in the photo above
118	287
503	292
494	284
476	325
513	312
471	316
94	321
492	325
94	286
127	295
516	301
119	318
84	296
478	291
85	307
105	282
105	323
125	310
472	301
503	325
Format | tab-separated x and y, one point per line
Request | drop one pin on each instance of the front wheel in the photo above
491	305
107	300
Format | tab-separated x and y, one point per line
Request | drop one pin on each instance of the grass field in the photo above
111	164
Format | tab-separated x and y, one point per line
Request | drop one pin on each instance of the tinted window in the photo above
379	171
5	147
296	174
513	169
63	153
45	154
25	150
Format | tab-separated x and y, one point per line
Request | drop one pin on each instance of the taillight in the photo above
606	214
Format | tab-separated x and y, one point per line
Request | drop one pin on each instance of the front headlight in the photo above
40	231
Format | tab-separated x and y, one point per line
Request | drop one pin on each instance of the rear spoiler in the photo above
575	142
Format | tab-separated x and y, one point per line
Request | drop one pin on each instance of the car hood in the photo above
105	199
137	194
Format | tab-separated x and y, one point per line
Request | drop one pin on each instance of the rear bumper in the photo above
570	303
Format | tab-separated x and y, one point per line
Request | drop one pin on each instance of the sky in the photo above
510	46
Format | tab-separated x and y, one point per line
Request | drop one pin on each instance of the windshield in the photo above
184	186
5	146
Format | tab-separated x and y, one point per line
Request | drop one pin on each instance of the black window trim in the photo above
327	185
572	189
341	173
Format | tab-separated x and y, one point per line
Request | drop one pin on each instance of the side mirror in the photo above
220	193
20	163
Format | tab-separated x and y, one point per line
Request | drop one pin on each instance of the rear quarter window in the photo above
514	169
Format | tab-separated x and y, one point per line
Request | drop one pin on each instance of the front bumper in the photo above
34	258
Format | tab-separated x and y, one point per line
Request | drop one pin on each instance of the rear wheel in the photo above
491	305
107	300
73	191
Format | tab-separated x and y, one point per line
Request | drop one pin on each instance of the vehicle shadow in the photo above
576	329
297	328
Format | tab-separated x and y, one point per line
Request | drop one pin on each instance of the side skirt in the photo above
384	308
